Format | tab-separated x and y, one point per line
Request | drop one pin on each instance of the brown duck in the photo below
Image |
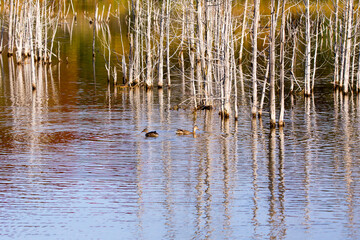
186	132
150	134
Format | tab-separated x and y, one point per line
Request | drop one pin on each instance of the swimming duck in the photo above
150	134
186	132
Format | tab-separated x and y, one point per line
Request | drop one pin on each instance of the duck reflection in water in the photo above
150	134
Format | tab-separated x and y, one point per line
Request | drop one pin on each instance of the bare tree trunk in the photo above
308	48
32	53
293	60
226	88
336	44
242	46
264	89
316	46
168	75
94	32
282	66
137	46
200	47
272	66
254	59
161	48
348	46
182	44
10	33
353	56
149	81
191	50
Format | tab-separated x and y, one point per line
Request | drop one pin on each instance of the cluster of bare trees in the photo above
200	34
205	43
31	27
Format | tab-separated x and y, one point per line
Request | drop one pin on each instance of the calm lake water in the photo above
75	165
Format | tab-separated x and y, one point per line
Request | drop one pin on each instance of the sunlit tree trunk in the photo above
161	47
209	18
10	32
264	89
192	50
348	46
307	48
293	60
201	45
182	44
168	43
137	46
242	47
282	66
254	58
226	87
149	80
316	46
32	54
336	44
272	66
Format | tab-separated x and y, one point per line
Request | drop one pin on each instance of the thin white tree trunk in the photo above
161	48
254	58
10	33
209	55
264	90
168	74
307	48
348	46
293	60
336	44
149	81
242	46
282	66
226	82
137	46
315	47
272	66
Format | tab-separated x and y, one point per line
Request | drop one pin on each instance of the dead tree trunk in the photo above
161	48
348	46
307	48
254	58
336	44
282	66
149	81
272	66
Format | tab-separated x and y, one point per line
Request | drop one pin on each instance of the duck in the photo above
150	134
186	132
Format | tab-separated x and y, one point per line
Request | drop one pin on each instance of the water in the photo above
75	165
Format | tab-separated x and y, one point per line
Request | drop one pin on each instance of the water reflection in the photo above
255	188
